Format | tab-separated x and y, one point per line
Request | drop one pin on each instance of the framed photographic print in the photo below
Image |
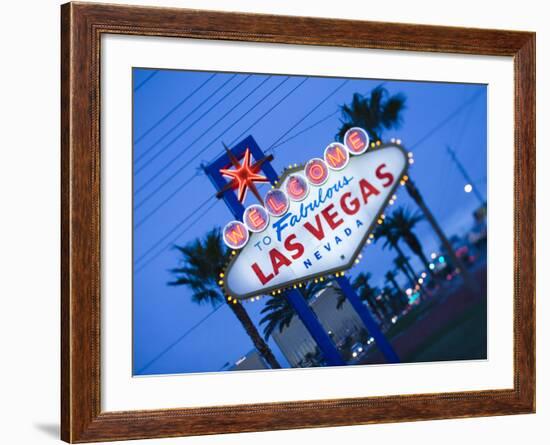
278	222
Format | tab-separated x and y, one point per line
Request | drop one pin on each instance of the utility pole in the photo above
465	175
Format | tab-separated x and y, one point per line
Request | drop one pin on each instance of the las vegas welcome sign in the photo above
315	221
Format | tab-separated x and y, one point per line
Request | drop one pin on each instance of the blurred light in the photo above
394	319
360	349
433	255
354	354
420	280
468	188
432	266
442	259
423	274
409	292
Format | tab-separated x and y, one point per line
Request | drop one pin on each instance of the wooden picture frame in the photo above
82	25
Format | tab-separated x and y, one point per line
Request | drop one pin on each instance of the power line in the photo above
187	147
158	206
304	130
179	104
174	239
465	174
449	117
262	116
178	225
180	338
179	170
443	172
144	153
421	140
182	186
268	111
274	144
147	79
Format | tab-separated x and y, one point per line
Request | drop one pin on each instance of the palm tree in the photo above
201	263
387	231
279	312
414	193
398	300
390	278
402	263
402	221
367	293
374	113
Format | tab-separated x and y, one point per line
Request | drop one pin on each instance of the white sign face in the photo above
323	232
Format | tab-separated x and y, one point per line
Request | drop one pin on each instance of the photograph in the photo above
298	221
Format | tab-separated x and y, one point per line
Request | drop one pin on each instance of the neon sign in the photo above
243	176
235	234
317	219
276	202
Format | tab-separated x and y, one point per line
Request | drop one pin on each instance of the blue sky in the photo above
180	121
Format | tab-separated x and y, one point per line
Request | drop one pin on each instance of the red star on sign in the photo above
244	176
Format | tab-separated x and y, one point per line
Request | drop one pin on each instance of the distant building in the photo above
252	360
295	341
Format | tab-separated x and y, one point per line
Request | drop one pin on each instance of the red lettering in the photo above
278	260
256	218
276	207
381	174
356	141
316	172
318	232
355	204
236	235
336	161
367	189
295	188
331	217
263	279
291	246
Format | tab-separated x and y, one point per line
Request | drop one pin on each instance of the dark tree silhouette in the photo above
201	263
402	222
374	113
279	312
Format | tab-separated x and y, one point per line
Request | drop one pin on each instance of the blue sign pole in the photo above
295	298
314	327
368	320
